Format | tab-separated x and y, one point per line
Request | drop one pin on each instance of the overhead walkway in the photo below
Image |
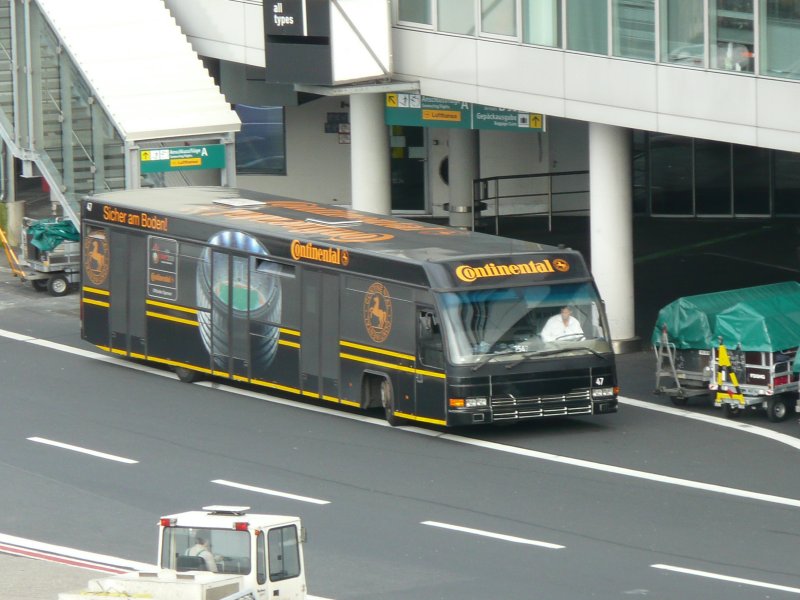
86	87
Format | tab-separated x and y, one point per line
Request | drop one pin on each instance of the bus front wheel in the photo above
387	401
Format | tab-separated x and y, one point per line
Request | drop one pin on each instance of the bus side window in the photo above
429	339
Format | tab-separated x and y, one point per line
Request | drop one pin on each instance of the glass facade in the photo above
672	175
780	38
676	176
541	22
498	17
759	37
456	16
634	29
587	26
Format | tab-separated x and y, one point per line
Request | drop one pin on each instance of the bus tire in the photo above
186	375
777	409
387	401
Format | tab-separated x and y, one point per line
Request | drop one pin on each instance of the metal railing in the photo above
529	194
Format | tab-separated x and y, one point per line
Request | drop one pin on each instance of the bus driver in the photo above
561	325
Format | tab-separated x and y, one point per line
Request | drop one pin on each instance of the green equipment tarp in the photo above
48	233
692	321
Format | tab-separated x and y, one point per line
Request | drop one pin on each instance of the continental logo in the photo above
377	312
468	273
96	258
308	251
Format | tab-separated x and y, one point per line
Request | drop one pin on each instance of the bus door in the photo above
429	379
230	314
127	311
319	352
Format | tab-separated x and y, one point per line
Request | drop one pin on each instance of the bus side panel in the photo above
377	336
173	316
275	336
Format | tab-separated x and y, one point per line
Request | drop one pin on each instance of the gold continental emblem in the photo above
559	264
378	312
308	251
469	273
96	258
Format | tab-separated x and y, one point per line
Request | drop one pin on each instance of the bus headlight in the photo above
477	402
602	392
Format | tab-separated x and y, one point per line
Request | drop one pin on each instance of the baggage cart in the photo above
50	254
759	331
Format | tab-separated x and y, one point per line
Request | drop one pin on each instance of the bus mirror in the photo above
426	323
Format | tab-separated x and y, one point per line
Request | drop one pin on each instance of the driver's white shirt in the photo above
555	327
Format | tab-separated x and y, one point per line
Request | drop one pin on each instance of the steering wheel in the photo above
577	337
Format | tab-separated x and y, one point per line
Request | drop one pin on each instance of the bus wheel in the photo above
186	375
777	410
387	401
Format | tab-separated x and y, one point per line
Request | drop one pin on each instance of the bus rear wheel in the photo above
186	375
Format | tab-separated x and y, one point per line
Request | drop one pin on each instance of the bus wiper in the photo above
528	355
486	359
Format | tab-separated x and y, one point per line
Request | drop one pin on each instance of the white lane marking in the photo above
83	450
260	490
497	536
745	427
752	582
577	462
451	437
55	551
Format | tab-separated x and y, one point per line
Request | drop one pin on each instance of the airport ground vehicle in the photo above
432	324
256	557
49	255
738	345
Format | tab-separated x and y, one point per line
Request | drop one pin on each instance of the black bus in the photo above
430	323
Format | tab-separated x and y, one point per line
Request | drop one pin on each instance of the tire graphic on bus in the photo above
236	297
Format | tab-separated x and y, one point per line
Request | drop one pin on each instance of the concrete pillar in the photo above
15	211
611	228
463	169
369	154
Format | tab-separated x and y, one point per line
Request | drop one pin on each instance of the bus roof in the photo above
321	233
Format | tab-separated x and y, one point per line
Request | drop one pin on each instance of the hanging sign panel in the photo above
415	110
159	160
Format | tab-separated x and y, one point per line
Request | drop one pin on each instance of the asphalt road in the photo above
640	503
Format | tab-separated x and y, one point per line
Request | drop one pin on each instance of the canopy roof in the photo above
764	317
141	68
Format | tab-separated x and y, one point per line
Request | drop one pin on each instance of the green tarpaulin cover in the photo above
49	233
760	318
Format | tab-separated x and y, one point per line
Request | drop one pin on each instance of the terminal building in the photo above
606	109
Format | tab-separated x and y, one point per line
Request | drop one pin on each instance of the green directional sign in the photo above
426	111
179	158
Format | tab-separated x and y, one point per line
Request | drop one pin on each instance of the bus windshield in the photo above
508	324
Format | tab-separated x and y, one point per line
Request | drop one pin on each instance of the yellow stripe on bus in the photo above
420	419
185	309
376	350
288	331
288	343
156	315
276	386
380	363
96	302
92	290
